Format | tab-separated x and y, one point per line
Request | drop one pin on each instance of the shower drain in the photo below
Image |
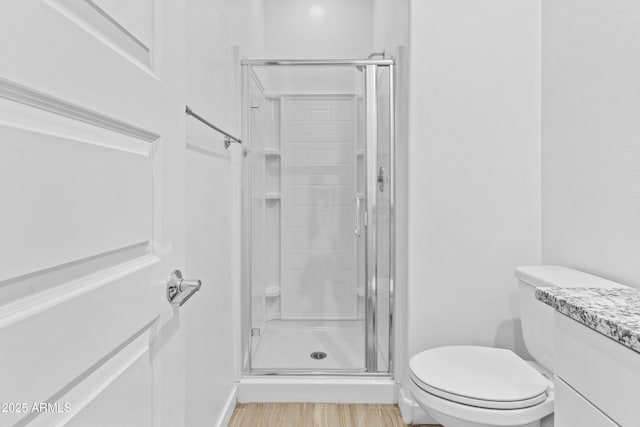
318	355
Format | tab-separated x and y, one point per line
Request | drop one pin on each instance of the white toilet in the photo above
471	386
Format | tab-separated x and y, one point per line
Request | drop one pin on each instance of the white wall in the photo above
591	137
313	29
390	25
474	169
212	317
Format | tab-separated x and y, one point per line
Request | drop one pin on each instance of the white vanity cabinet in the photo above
573	410
597	378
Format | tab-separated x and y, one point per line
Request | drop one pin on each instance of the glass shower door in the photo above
317	288
379	211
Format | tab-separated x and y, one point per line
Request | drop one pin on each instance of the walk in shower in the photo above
318	217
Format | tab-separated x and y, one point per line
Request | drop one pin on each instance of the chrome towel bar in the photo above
228	138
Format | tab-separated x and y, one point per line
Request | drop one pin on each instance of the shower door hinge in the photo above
366	218
255	332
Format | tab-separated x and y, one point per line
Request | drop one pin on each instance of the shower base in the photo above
288	345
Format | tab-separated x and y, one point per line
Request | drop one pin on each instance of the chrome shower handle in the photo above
357	216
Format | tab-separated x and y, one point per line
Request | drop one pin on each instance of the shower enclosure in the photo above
318	217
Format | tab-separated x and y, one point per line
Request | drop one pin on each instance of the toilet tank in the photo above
537	317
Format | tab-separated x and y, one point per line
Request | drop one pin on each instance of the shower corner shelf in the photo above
272	196
272	291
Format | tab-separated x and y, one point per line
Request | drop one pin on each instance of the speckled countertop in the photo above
612	312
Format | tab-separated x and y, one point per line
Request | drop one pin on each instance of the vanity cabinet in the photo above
571	409
597	378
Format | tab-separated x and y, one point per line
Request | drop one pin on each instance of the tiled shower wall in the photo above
318	266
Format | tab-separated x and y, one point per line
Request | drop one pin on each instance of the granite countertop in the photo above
613	312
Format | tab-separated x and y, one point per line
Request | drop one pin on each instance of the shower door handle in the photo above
357	216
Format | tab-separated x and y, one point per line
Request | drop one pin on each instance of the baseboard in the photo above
230	405
406	405
411	412
327	390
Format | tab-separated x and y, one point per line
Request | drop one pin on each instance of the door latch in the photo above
179	290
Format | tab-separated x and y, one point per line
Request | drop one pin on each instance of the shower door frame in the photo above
369	67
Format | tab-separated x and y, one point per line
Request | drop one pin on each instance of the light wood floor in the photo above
316	415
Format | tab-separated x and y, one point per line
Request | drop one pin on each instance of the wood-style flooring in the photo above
316	415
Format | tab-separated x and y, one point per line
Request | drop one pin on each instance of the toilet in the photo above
473	386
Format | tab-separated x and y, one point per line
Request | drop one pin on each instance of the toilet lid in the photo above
479	376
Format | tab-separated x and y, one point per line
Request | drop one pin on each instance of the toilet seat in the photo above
482	377
450	413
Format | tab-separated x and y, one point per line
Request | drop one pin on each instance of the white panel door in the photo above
92	212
